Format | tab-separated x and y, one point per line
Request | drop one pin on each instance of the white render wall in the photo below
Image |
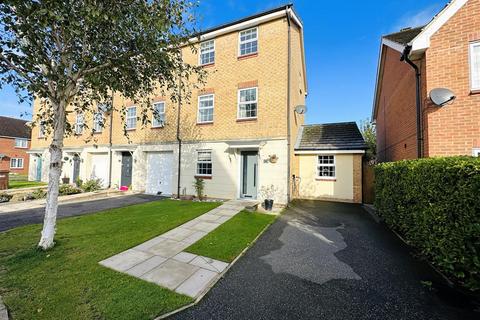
225	182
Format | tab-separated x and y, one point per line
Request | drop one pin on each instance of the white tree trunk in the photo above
55	171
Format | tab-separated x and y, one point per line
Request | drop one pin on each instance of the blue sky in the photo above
341	46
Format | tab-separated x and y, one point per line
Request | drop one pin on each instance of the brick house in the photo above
14	143
447	54
237	132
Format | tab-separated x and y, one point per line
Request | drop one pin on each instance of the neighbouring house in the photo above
447	54
14	143
237	132
330	162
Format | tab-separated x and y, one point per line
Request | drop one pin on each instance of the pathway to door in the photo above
161	260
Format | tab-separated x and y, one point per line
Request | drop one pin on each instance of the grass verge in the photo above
68	283
227	241
24	184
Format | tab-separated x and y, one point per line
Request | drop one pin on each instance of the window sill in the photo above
246	119
326	179
204	177
474	92
247	56
204	123
208	65
21	147
132	129
98	132
157	127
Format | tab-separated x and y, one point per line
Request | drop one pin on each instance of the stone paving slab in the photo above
162	260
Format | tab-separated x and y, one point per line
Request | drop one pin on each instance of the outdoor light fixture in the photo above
301	109
441	96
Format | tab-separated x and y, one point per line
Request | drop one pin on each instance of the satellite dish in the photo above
301	109
441	96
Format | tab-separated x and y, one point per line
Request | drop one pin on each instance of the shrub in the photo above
91	185
66	189
4	197
199	186
38	194
435	205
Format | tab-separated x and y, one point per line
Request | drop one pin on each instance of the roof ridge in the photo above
406	29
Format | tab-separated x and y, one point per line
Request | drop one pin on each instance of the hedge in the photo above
434	204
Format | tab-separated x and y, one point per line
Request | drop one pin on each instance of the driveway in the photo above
32	216
323	260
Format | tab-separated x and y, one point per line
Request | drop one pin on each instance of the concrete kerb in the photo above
222	274
3	310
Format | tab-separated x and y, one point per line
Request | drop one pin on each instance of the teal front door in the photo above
249	174
39	169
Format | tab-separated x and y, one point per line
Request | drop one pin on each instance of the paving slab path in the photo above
162	260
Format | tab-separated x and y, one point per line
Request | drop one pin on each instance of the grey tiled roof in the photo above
330	136
11	127
405	36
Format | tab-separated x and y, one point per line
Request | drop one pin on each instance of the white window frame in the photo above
16	160
41	130
79	124
318	165
250	40
197	173
98	121
476	152
212	95
474	86
23	143
160	121
127	117
241	103
202	51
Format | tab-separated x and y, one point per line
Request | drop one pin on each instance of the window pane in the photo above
475	65
248	41
205	108
207	52
204	163
159	117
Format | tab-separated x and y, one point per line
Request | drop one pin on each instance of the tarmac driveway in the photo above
323	260
15	219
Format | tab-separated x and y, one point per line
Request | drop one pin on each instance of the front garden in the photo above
68	283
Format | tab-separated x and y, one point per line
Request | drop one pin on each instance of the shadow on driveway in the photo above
324	260
32	216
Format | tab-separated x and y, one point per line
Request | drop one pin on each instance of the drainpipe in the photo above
179	170
288	104
405	57
110	146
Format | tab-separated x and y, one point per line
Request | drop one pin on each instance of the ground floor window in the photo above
204	163
326	167
16	163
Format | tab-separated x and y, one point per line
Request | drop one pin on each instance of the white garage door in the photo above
99	168
159	173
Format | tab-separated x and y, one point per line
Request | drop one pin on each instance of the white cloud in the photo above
417	19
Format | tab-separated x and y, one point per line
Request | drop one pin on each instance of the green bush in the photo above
4	197
435	205
38	194
91	185
66	189
199	186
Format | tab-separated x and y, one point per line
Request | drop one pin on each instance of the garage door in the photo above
159	173
99	168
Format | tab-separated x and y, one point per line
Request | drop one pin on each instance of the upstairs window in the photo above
98	122
21	143
204	163
475	66
158	114
207	52
205	108
79	123
326	167
41	130
16	163
131	118
248	42
247	103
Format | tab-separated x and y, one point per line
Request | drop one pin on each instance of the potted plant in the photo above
65	180
199	186
268	192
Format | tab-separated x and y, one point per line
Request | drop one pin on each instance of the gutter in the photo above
289	138
405	57
110	147
179	140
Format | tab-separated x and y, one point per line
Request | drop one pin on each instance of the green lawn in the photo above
228	241
24	184
68	283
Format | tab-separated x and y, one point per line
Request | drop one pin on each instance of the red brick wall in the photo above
396	113
453	129
7	147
